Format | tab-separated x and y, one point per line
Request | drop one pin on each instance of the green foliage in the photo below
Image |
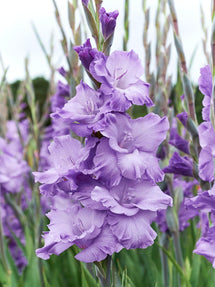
40	86
138	111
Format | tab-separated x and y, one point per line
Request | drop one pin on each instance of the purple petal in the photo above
139	164
84	106
106	168
207	136
138	94
65	153
48	177
149	132
206	164
105	244
101	194
133	231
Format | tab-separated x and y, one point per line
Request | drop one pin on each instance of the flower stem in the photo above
164	259
104	277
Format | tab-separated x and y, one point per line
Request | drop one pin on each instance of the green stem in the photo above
177	245
126	26
105	276
64	41
177	266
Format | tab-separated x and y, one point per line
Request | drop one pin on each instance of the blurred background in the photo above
18	40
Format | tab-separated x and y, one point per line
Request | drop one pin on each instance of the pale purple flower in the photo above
108	21
65	154
129	148
119	75
81	226
104	190
83	110
132	205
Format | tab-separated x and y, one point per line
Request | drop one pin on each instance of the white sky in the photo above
17	39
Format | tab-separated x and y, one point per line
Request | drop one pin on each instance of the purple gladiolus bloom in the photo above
65	154
83	110
132	204
120	75
104	194
108	21
81	226
205	86
129	148
180	165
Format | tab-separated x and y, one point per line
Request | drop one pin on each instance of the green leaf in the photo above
31	273
196	264
176	265
86	278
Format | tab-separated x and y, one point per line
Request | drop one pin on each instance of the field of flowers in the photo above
107	176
